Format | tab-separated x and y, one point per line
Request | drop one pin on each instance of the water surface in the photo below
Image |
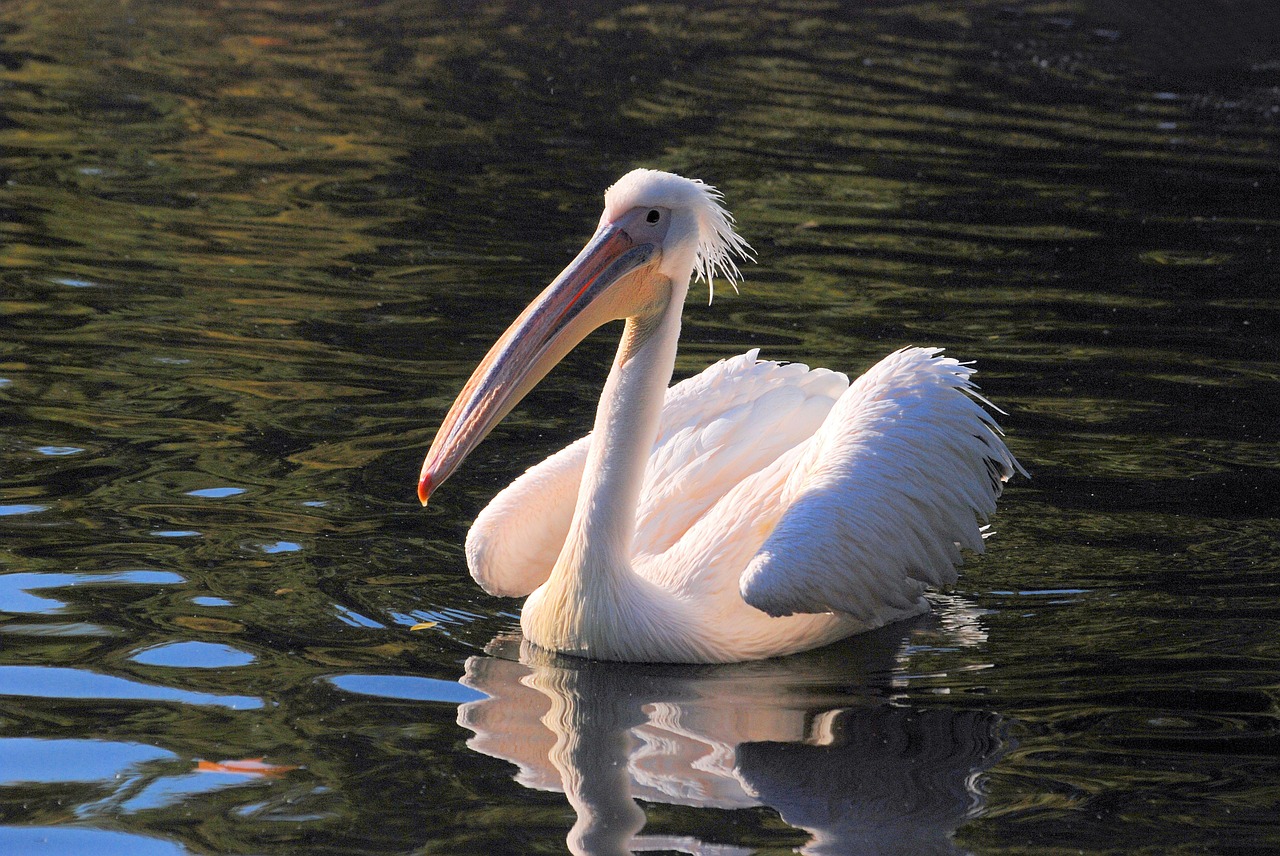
251	251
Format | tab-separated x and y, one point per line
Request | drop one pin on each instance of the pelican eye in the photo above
653	216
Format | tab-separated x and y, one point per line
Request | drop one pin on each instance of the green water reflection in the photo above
249	252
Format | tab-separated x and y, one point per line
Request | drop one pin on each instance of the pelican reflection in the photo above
813	736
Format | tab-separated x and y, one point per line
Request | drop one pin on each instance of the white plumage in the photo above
753	510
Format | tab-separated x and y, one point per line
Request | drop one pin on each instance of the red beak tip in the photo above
424	489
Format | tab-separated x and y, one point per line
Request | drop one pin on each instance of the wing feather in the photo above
516	540
717	427
720	427
890	488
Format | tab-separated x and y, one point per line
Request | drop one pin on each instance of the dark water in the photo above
251	251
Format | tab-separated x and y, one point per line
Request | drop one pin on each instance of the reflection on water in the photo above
249	252
63	839
813	737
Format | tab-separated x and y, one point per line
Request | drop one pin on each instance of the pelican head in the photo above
657	230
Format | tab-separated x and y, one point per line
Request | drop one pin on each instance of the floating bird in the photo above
754	510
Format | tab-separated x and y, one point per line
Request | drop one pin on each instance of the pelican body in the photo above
754	510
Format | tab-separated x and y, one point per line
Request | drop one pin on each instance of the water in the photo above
251	251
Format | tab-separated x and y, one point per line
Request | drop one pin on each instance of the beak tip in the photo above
424	489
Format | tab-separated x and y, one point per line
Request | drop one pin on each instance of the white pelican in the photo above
755	510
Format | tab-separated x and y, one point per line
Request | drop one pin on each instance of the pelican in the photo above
755	510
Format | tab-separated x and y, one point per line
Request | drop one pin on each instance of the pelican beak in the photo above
581	299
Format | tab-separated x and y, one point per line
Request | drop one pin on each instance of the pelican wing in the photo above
717	427
515	541
887	493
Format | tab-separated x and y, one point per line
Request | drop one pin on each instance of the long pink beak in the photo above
560	318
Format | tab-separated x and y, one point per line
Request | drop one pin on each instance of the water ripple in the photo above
16	589
21	508
32	759
81	839
407	688
67	683
194	655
